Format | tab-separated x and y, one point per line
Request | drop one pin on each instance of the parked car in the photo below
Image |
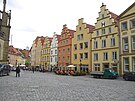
4	69
129	76
13	68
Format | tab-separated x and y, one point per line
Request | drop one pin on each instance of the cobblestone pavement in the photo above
50	87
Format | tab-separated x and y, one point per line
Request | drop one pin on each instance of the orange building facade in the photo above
65	48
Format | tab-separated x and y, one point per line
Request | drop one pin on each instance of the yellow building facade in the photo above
45	53
127	39
81	46
36	52
105	41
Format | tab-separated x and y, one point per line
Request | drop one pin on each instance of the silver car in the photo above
4	69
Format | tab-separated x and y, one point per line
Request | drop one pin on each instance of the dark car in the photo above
4	69
129	76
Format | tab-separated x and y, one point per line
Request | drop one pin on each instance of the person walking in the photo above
33	69
18	71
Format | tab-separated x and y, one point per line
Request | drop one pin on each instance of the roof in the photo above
91	27
127	9
115	17
14	51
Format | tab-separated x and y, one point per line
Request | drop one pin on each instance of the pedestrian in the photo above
18	71
33	69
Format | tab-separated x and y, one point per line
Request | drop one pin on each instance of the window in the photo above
81	56
51	52
109	30
63	51
132	23
78	37
114	55
66	42
79	28
103	24
51	59
133	42
125	44
81	36
81	45
126	64
95	56
85	44
55	51
105	56
63	59
102	15
75	46
97	67
95	44
112	41
103	31
124	26
103	43
97	33
75	56
55	59
133	61
86	55
68	50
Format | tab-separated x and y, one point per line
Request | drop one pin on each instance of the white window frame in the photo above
124	25
126	64
103	31
132	23
114	55
125	45
105	56
97	33
96	67
95	44
95	56
113	41
103	43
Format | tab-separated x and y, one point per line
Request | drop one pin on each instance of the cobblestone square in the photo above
51	87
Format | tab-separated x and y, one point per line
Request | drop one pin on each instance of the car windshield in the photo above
111	70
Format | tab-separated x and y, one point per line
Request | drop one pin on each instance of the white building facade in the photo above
54	51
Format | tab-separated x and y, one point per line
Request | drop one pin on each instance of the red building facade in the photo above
65	47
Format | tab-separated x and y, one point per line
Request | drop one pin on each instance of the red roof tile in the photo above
91	27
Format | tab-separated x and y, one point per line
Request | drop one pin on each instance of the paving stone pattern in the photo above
51	87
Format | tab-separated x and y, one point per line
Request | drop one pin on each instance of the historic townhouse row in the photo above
127	39
108	44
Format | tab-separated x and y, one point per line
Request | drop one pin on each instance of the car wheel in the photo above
126	78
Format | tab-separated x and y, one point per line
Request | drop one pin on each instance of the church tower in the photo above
5	32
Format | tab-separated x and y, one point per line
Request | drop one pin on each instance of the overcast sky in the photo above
32	18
